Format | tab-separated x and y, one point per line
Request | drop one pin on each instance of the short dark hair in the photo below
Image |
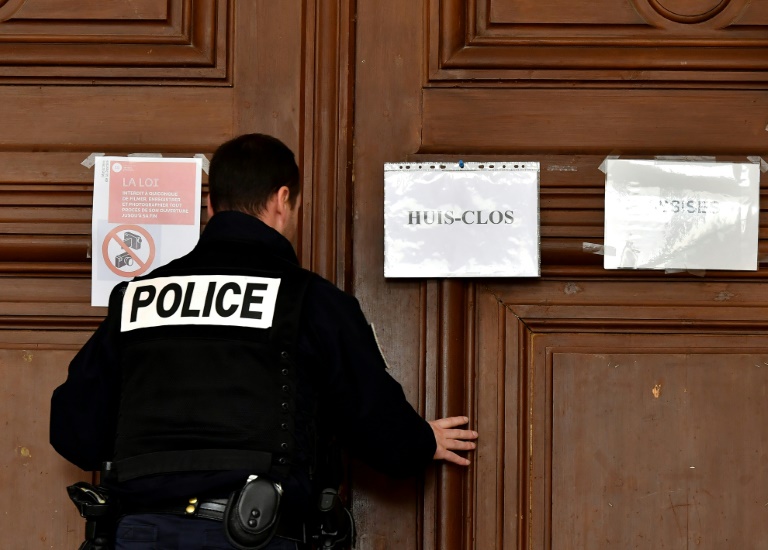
247	170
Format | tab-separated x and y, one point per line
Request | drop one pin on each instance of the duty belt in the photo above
213	509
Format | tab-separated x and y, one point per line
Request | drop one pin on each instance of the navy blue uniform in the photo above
341	381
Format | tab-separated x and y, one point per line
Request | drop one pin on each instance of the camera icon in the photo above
132	240
123	260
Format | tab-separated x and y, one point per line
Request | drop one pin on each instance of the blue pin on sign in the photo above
461	164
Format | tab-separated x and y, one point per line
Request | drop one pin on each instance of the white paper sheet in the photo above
468	220
681	215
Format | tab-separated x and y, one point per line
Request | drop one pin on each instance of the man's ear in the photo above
208	206
276	212
283	198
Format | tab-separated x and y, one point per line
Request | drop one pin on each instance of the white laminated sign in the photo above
461	219
146	212
686	215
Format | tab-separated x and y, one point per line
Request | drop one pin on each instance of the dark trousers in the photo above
168	532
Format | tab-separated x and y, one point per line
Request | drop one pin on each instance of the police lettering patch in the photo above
228	300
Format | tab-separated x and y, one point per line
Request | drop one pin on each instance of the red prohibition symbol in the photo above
130	239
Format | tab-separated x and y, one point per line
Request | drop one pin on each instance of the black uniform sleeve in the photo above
367	407
84	407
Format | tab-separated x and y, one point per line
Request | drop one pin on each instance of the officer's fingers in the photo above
450	421
459	445
455	459
460	434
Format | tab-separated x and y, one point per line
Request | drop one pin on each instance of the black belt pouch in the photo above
252	514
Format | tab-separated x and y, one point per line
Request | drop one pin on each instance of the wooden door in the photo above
176	78
615	409
605	401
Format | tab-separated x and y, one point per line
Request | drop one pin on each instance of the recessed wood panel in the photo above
33	476
176	42
624	12
632	121
89	9
562	12
659	450
136	119
601	431
655	41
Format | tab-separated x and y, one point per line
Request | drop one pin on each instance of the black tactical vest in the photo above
208	379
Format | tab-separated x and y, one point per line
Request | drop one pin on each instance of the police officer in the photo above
233	367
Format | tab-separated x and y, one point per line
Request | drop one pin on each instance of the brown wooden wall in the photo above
616	409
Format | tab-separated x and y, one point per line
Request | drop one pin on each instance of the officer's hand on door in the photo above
450	439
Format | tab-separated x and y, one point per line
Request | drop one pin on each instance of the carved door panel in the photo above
176	78
612	406
630	416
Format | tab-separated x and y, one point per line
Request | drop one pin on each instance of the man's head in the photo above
255	174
